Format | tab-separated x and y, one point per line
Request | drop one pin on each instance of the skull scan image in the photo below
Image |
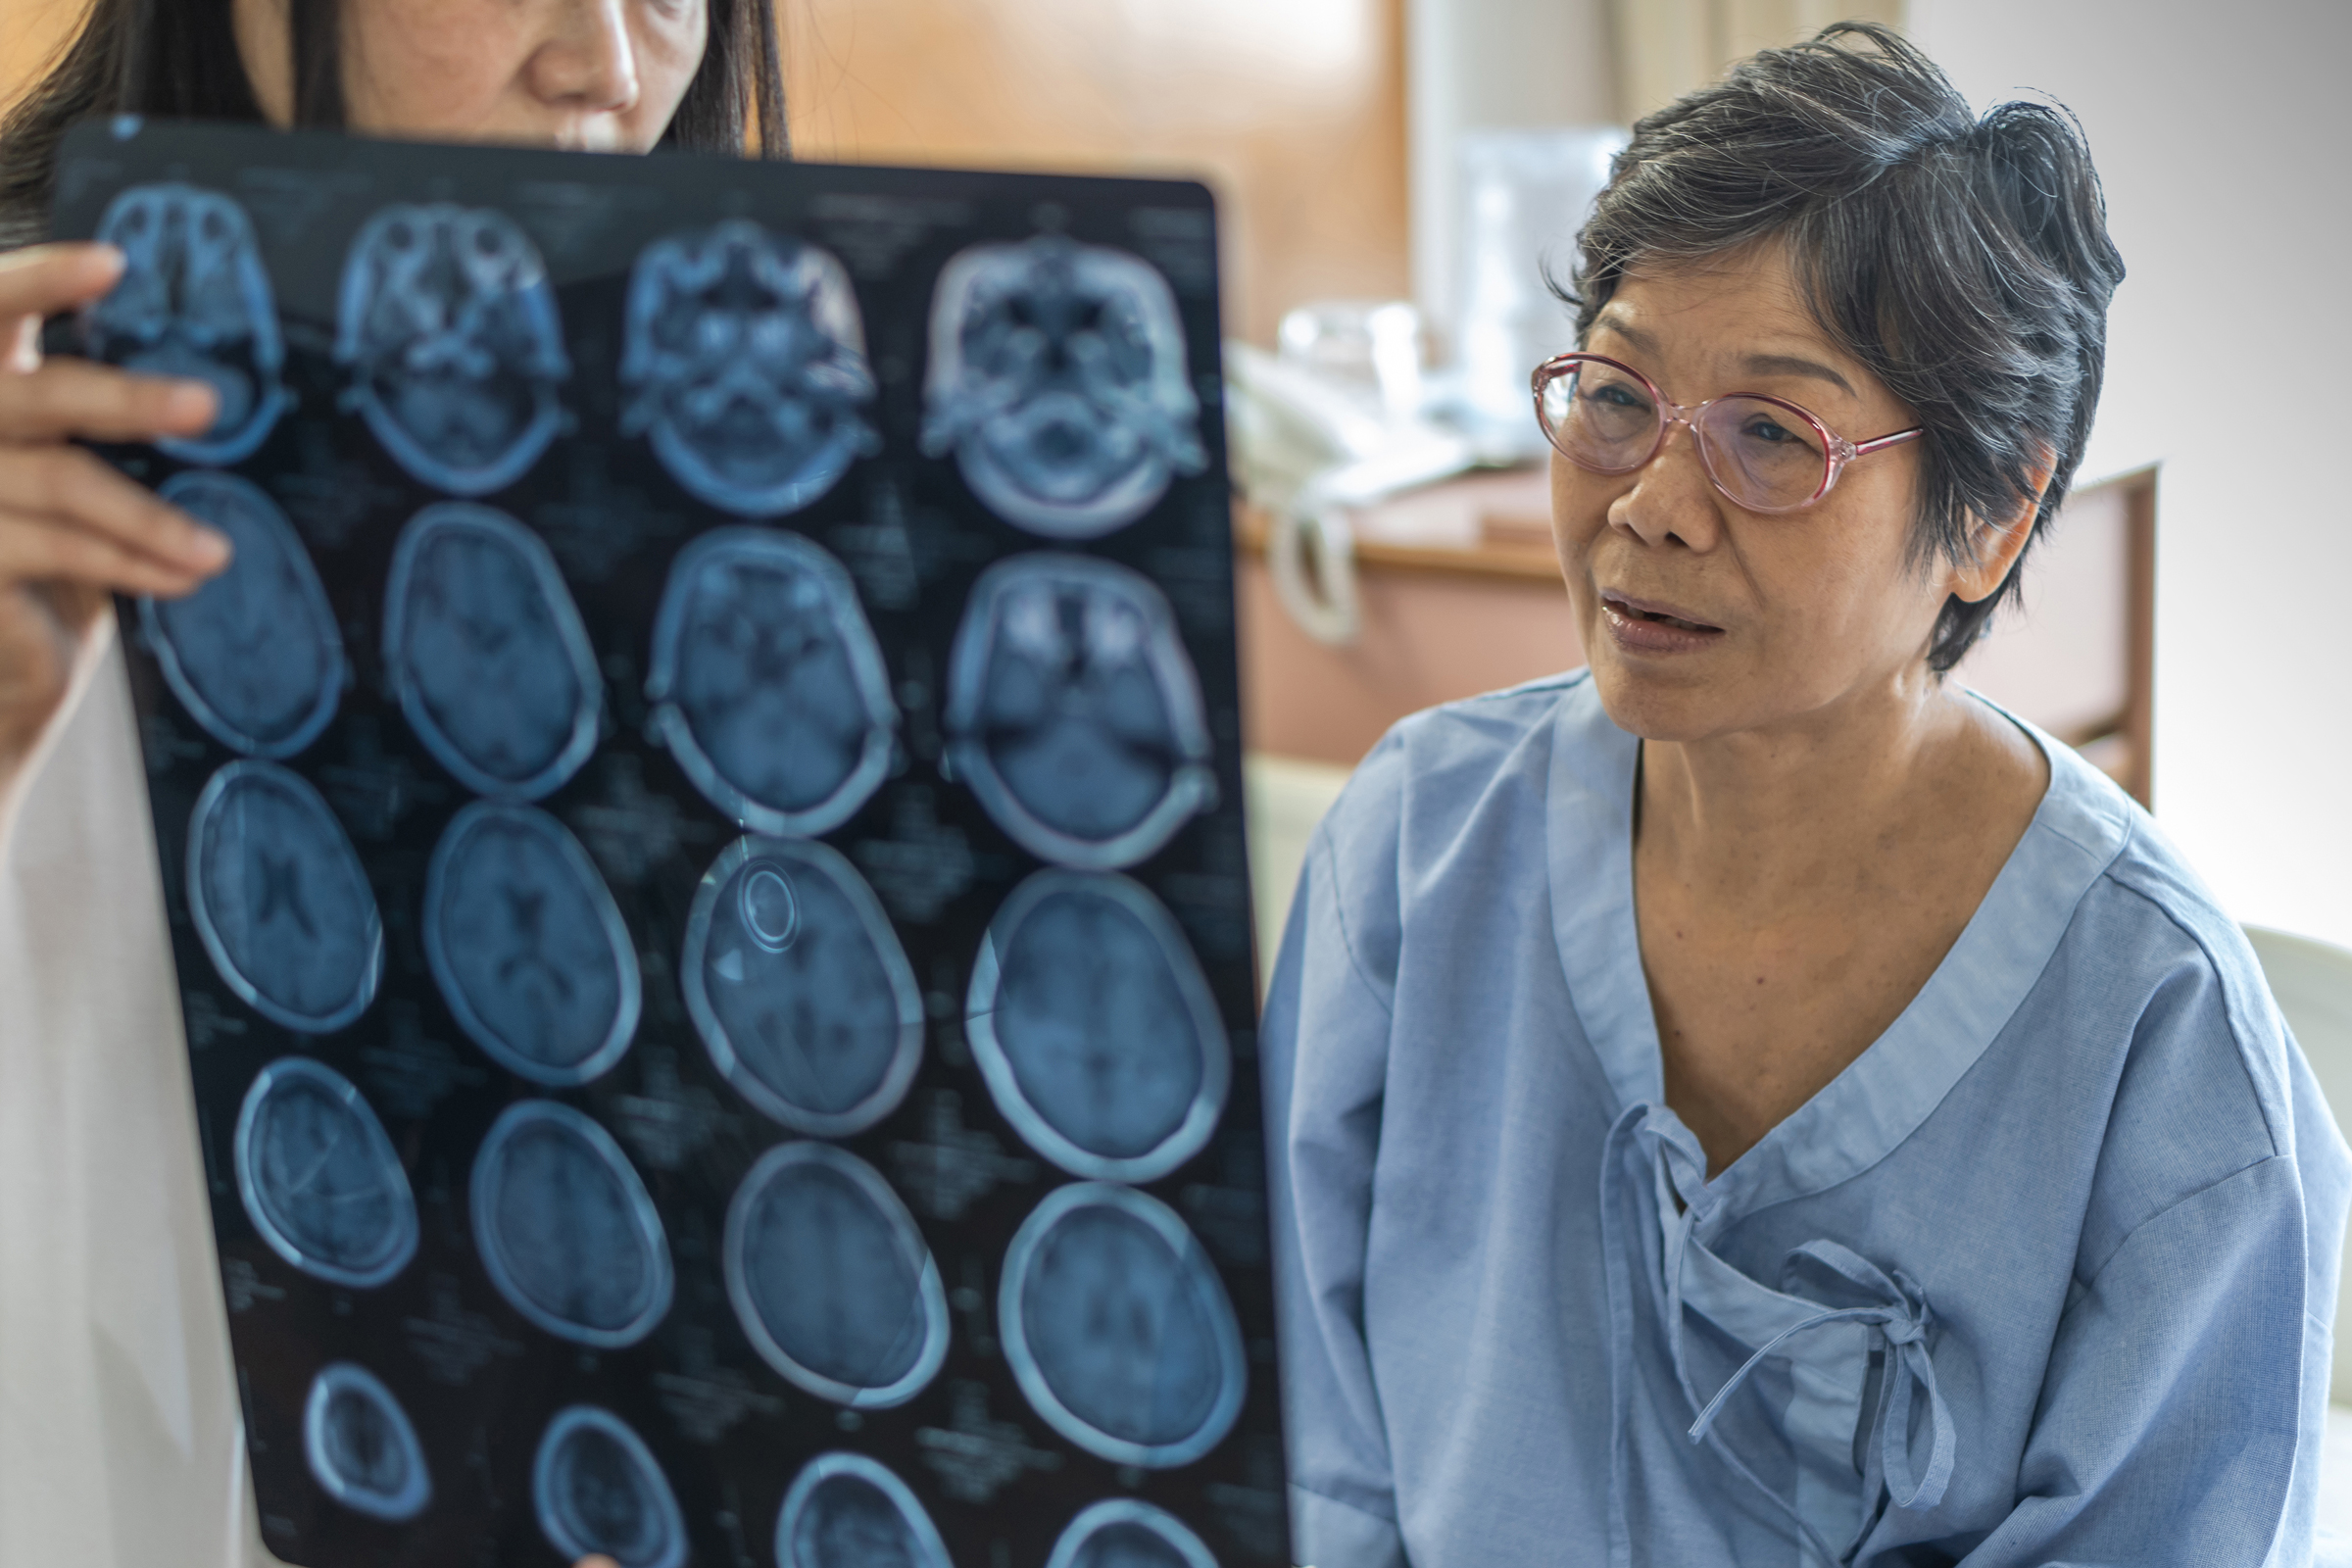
254	653
527	945
1057	378
799	987
1124	1533
746	364
1096	1029
280	900
1073	714
848	1511
362	1448
487	655
831	1279
194	301
768	686
1117	1328
565	1228
447	327
319	1178
597	1487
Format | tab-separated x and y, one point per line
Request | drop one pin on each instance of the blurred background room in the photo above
1394	175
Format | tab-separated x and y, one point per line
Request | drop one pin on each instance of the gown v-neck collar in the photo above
1861	1116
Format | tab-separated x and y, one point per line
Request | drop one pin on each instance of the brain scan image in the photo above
487	655
1117	1328
1123	1533
799	988
253	655
847	1511
1057	378
596	1489
280	900
1096	1029
831	1279
194	301
447	327
746	364
566	1229
319	1178
1073	714
767	684
527	945
362	1448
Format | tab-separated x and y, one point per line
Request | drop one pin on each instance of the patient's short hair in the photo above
1964	260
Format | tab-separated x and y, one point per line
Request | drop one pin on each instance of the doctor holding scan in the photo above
96	1135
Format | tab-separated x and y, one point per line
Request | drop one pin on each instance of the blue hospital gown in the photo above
2045	1276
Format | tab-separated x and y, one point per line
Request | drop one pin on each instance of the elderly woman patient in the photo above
1751	1100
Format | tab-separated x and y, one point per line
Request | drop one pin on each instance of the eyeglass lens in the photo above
1763	456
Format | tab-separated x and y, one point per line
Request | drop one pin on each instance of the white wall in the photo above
2221	133
1489	65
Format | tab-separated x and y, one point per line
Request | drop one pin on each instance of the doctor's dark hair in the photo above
1964	261
179	59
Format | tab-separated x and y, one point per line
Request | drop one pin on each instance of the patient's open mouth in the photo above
1654	614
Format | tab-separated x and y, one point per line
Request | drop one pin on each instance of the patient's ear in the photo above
2000	541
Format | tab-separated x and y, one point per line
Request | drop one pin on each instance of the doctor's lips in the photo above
1648	626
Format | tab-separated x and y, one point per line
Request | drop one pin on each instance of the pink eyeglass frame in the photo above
1837	451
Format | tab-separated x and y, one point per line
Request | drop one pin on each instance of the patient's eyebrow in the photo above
1644	343
1641	341
1793	365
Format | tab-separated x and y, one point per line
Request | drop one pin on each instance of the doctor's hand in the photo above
74	532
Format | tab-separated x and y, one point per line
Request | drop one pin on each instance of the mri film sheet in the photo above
702	839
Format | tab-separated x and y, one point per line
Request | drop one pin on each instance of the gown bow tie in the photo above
1894	1307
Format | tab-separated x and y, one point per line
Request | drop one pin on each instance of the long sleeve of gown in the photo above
1324	1038
2182	1417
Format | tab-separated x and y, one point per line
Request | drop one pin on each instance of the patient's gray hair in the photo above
1963	259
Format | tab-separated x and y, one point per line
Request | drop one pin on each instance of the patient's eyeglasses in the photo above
1764	453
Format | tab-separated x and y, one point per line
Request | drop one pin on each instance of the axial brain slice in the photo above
1126	1342
527	945
596	1489
318	1177
566	1229
254	653
488	653
1074	712
194	301
1057	378
449	328
847	1511
770	687
1095	1027
831	1279
280	900
799	988
362	1448
1123	1533
747	366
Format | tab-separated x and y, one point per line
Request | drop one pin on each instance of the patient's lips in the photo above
1653	627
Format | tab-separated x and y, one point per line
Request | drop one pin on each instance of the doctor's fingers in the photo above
44	280
64	490
36	550
63	399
